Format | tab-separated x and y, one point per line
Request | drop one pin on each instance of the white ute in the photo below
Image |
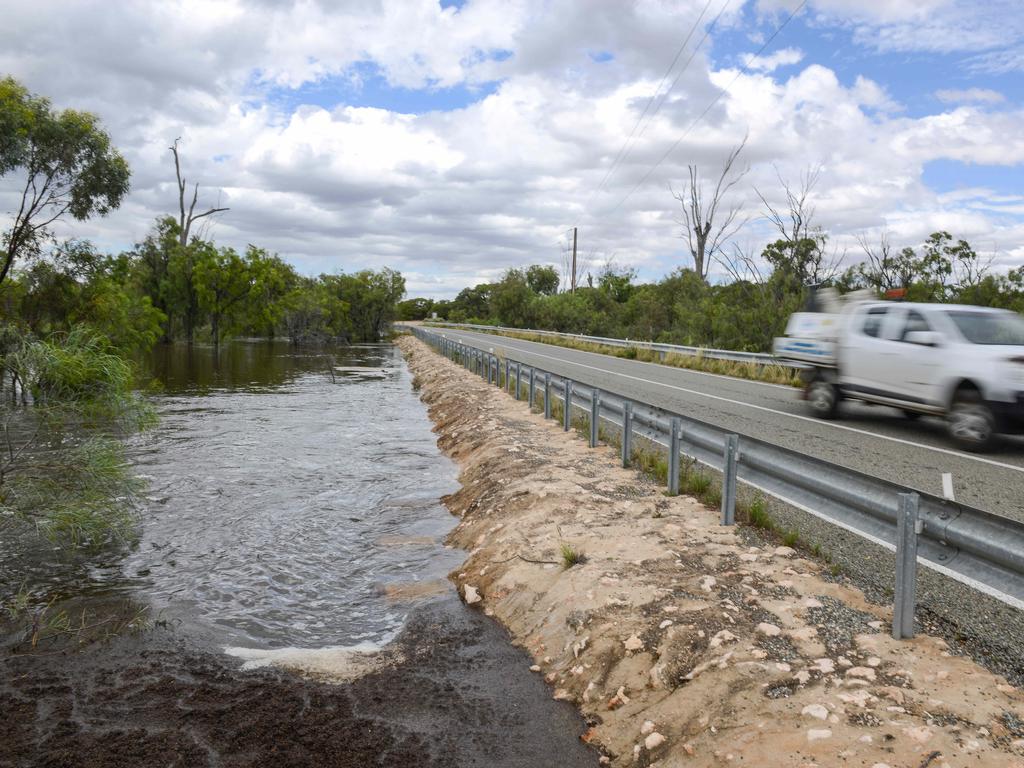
963	363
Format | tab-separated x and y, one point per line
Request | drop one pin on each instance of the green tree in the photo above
222	281
542	279
68	163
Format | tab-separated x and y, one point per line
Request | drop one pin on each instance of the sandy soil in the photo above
680	642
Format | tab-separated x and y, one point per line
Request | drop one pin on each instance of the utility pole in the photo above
574	260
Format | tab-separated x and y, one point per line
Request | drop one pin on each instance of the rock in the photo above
784	552
633	643
535	668
654	741
817	734
874	661
768	630
646	728
707	582
721	638
865	673
803	677
688	749
817	711
665	624
921	734
561	694
894	694
471	594
825	666
811	602
782	666
748	558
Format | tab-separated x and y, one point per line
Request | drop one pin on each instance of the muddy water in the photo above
292	500
292	495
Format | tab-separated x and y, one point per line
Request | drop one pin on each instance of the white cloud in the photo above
970	96
781	58
452	197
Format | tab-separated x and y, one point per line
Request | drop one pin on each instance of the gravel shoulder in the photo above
681	642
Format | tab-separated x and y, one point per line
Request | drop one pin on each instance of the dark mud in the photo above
462	695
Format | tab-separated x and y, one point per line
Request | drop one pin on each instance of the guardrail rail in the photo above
978	548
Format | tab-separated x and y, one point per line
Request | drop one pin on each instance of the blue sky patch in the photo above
365	86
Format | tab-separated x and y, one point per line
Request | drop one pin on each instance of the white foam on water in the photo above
340	662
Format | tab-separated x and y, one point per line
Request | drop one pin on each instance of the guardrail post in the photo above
732	446
595	415
673	456
547	395
531	388
627	433
567	416
907	529
508	368
519	381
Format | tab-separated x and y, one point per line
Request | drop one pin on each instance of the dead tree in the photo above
703	236
802	246
187	218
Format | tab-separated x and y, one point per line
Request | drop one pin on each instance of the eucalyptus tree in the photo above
67	164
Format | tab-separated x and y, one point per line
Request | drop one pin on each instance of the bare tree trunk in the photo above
703	236
186	218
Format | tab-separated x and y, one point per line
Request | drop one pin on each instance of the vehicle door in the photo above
916	367
863	353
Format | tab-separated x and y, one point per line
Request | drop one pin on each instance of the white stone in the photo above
654	741
707	583
817	711
535	668
817	734
646	728
471	594
721	638
666	623
866	673
633	643
768	630
784	552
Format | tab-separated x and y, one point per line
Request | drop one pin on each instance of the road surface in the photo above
873	439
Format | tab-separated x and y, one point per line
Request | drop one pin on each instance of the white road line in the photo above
797	416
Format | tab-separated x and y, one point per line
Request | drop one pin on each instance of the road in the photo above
872	439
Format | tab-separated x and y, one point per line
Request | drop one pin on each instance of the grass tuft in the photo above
571	556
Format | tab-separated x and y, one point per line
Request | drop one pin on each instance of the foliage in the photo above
744	314
69	167
63	468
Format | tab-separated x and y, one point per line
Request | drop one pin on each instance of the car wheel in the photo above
971	424
823	397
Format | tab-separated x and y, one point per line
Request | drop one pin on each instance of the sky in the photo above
454	140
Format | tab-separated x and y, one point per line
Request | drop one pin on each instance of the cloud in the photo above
970	96
453	196
781	58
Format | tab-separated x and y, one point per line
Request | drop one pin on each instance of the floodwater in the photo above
292	500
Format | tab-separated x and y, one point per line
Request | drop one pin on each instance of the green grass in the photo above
571	556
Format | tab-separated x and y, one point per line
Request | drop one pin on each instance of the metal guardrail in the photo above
758	358
978	548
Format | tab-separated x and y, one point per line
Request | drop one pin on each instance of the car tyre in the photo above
971	423
824	396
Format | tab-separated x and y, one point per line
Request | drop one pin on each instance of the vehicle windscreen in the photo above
990	327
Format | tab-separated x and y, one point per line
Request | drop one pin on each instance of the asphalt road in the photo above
873	439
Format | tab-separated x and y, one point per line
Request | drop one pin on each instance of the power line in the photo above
743	70
622	150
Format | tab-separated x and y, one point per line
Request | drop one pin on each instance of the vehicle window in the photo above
873	322
990	327
915	322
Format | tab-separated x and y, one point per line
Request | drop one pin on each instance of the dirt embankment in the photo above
683	642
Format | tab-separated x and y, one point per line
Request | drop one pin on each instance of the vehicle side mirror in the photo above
924	338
